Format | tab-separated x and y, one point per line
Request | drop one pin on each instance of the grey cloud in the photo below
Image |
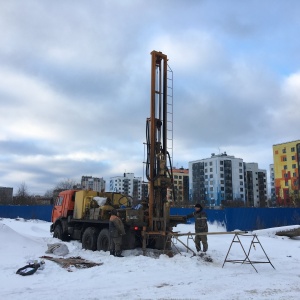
82	82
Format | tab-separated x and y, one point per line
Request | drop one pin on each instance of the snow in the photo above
150	277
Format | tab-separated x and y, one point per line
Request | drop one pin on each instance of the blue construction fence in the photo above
231	218
39	212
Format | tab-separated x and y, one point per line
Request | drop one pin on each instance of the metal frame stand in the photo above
247	260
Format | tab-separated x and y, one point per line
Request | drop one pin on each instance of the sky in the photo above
75	84
151	277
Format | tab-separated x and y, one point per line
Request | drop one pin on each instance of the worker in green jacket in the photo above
116	231
200	226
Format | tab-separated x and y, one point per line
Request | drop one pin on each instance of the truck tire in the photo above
58	232
89	239
103	240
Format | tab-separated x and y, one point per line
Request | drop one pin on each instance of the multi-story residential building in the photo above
286	158
127	184
272	183
255	185
6	195
181	185
93	183
220	177
225	178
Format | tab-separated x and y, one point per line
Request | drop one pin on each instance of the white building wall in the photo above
93	183
215	179
117	184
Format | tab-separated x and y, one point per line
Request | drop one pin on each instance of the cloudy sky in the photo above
75	83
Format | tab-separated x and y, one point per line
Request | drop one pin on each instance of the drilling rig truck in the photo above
84	215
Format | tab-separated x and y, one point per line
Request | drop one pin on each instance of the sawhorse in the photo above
246	260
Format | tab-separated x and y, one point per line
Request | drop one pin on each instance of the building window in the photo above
222	175
175	177
210	163
205	170
293	157
241	171
283	150
206	176
293	149
294	166
221	169
222	181
240	164
241	176
283	158
286	183
294	174
210	170
211	189
211	176
221	162
285	167
241	182
222	188
205	164
241	189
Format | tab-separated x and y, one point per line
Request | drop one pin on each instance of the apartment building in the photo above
127	184
6	195
225	178
220	177
272	183
286	158
255	185
181	185
93	183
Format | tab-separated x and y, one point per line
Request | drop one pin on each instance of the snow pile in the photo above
150	277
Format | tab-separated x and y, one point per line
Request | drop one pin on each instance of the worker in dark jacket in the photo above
200	227
116	231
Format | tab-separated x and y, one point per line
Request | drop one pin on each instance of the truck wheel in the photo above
103	240
58	232
89	239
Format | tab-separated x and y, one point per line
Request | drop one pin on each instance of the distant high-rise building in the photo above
225	178
272	183
181	185
127	185
6	195
286	158
93	183
255	185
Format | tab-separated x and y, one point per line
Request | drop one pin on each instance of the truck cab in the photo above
63	205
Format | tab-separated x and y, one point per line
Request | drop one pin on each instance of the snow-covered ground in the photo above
148	277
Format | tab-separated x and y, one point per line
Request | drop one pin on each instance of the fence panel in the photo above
232	218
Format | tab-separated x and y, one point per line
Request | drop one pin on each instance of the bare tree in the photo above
67	184
22	196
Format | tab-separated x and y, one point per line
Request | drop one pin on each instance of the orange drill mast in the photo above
158	173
